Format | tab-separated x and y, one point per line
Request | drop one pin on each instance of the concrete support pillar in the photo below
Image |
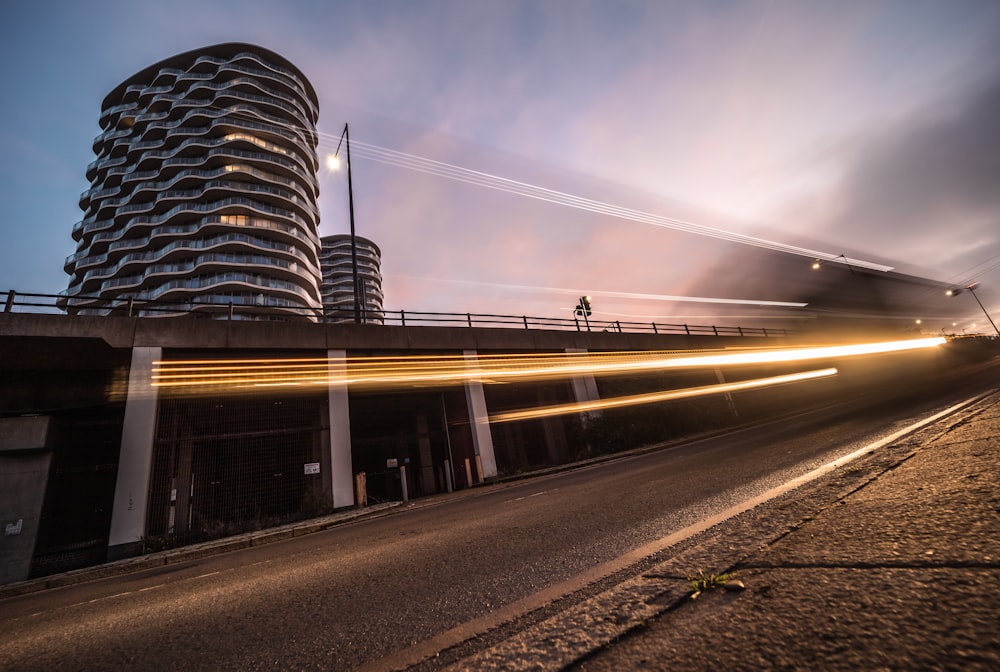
182	517
554	429
425	477
135	461
479	418
729	398
340	480
584	387
447	476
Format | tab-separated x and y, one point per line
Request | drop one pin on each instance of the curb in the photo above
192	552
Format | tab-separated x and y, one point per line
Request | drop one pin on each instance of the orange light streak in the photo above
432	370
652	397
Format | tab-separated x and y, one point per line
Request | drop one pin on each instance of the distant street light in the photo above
972	290
334	164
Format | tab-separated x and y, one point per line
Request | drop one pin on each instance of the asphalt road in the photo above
353	595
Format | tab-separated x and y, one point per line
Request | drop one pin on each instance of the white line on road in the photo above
202	576
536	494
99	599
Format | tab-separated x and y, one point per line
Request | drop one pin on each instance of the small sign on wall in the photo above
311	468
391	463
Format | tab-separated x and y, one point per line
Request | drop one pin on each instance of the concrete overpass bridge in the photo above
100	459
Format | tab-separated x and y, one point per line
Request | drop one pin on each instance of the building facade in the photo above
337	264
204	192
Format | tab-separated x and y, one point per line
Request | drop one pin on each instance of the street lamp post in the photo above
972	290
583	309
346	139
849	267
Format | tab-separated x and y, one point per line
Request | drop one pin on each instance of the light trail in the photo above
620	295
443	370
679	320
653	397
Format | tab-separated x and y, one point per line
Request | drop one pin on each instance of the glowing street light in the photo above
333	163
972	290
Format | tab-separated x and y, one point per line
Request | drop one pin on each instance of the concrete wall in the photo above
24	471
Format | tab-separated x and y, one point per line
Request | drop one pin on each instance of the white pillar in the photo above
479	418
584	386
135	461
729	398
341	476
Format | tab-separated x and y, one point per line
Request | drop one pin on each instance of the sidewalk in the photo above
891	562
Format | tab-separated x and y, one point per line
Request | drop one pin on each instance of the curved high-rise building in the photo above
204	192
337	264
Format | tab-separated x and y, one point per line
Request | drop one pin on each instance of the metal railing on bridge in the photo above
23	302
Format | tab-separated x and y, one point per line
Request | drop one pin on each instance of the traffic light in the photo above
583	308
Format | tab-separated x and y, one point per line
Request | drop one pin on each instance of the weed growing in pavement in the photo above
700	581
863	468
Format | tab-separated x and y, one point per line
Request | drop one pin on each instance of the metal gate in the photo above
228	465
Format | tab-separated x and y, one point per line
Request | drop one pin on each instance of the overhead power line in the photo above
466	175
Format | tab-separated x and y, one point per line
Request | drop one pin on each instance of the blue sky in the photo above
859	128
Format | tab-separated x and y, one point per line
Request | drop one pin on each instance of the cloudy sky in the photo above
863	128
